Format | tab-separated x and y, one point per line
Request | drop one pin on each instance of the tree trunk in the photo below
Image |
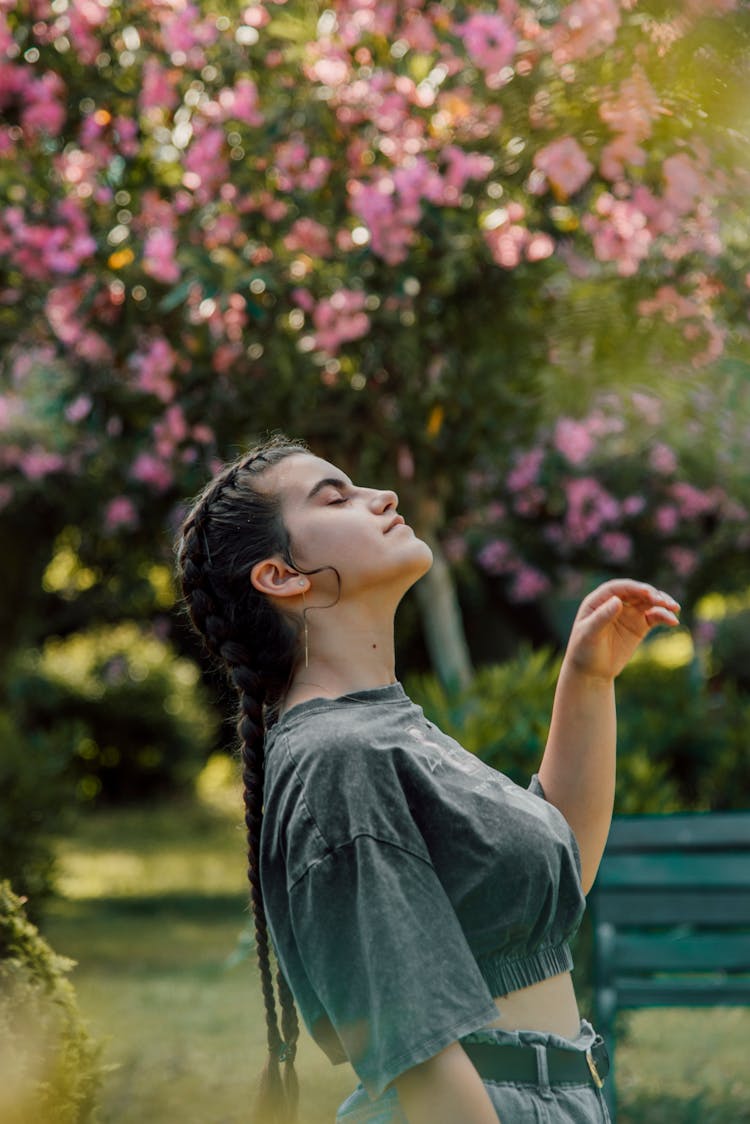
439	610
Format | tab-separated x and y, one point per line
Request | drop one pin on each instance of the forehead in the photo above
295	476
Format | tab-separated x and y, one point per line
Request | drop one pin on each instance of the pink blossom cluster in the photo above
229	157
526	583
153	365
490	43
510	241
619	232
585	28
339	319
585	491
42	250
564	165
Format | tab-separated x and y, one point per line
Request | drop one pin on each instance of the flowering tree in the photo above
637	485
389	228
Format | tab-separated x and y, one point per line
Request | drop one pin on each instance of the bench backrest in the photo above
672	897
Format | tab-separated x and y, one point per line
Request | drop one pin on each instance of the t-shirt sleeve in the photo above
387	957
535	787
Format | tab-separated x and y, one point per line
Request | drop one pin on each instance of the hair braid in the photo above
232	525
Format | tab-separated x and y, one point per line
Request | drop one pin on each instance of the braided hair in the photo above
232	525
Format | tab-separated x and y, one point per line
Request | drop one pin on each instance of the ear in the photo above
274	577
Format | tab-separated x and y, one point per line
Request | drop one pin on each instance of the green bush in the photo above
682	741
50	1068
36	798
130	716
730	650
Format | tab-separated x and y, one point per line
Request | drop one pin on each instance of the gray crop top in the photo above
405	882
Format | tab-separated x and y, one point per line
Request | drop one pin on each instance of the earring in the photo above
304	622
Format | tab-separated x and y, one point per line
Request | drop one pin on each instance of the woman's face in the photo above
335	523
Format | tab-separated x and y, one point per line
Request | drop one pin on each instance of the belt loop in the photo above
542	1070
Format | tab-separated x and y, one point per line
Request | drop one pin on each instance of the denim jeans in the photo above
515	1103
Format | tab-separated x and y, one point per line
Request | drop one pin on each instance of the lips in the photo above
399	521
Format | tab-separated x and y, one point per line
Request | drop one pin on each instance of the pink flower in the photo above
203	434
528	584
241	102
525	471
496	557
505	235
153	367
683	560
619	233
309	237
615	546
685	183
539	247
183	30
663	459
157	86
391	226
634	109
120	512
691	501
565	165
589	508
84	18
340	319
667	519
573	440
585	28
36	463
633	505
461	167
489	41
79	408
148	469
44	109
206	163
160	256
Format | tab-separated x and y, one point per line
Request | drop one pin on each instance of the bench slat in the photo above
729	992
650	908
691	830
677	952
674	869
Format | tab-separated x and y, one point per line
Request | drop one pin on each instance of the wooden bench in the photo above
671	916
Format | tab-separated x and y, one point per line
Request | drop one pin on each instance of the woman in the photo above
419	903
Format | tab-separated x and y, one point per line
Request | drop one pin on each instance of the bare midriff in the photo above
548	1006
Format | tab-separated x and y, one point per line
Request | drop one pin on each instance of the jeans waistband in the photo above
521	1064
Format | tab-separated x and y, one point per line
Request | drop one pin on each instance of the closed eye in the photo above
342	499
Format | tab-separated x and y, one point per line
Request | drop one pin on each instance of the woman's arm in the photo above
578	768
445	1089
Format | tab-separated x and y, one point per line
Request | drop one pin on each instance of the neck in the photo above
354	651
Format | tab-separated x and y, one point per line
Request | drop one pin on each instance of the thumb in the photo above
603	615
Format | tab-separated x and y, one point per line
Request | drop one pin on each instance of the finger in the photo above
659	615
640	593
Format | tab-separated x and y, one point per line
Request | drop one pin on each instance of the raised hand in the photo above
612	621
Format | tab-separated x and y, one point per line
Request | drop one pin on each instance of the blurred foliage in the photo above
682	741
36	798
730	649
50	1070
128	715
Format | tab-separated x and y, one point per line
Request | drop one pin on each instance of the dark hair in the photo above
232	525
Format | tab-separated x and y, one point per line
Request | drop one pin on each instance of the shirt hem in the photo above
406	1060
503	975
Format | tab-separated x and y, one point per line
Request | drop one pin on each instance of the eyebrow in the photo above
329	481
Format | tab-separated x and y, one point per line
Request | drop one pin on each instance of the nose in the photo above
384	501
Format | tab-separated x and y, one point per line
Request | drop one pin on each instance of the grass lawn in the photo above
154	903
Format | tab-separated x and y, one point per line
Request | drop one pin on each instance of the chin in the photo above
426	557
